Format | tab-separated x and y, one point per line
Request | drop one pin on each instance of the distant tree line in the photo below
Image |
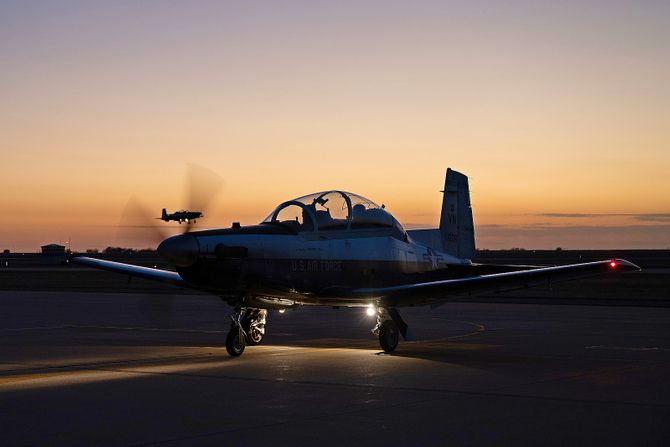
123	250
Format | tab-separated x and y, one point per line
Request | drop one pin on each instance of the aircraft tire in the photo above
235	342
389	336
255	337
255	340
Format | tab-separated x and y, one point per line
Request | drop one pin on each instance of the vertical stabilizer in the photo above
456	225
164	215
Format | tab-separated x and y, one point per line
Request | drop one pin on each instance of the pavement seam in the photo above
403	404
390	388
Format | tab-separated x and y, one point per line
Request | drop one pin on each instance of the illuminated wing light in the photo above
613	264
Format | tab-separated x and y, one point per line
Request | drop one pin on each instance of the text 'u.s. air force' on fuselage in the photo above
335	248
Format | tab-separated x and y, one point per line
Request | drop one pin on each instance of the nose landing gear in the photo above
235	341
248	327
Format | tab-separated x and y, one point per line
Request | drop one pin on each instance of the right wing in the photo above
441	291
132	270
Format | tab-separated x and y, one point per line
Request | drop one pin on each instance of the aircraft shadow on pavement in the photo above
434	349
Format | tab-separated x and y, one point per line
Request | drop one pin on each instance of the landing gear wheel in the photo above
255	335
235	342
253	324
388	336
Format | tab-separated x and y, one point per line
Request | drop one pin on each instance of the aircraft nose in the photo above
181	250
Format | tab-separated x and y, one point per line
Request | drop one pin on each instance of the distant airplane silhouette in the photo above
180	216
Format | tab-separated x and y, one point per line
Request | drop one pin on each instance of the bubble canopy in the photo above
332	210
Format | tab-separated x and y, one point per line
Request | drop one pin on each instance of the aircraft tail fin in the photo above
164	214
456	225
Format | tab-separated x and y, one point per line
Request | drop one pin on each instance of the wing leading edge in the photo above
442	291
132	270
434	292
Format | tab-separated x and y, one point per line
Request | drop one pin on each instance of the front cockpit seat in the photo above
323	218
307	224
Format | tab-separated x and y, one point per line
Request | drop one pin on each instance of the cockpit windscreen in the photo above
331	210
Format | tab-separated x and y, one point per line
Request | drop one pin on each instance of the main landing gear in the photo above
388	336
248	328
389	331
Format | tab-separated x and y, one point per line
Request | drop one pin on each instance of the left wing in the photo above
132	270
443	290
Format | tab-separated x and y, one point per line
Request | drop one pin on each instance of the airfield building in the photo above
53	254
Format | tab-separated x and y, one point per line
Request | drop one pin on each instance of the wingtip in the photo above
627	265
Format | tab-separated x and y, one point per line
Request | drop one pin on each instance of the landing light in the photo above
371	311
281	311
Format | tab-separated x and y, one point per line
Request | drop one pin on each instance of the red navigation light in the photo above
613	264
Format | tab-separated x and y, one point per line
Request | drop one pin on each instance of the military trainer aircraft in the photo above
335	248
180	216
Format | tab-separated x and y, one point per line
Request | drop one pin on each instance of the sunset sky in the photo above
559	112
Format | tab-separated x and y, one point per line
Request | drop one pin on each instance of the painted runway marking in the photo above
36	328
479	327
115	328
627	348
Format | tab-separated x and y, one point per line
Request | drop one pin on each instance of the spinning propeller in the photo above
138	226
138	221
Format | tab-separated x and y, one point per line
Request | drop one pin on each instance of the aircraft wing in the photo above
132	270
443	290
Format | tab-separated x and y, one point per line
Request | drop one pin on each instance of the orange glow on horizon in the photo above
556	129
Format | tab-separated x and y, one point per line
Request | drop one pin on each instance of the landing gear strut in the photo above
248	327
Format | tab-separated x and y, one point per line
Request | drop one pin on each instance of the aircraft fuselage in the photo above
310	266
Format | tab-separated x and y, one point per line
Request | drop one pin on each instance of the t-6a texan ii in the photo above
180	216
335	249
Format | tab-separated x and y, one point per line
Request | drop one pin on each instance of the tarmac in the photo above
80	368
